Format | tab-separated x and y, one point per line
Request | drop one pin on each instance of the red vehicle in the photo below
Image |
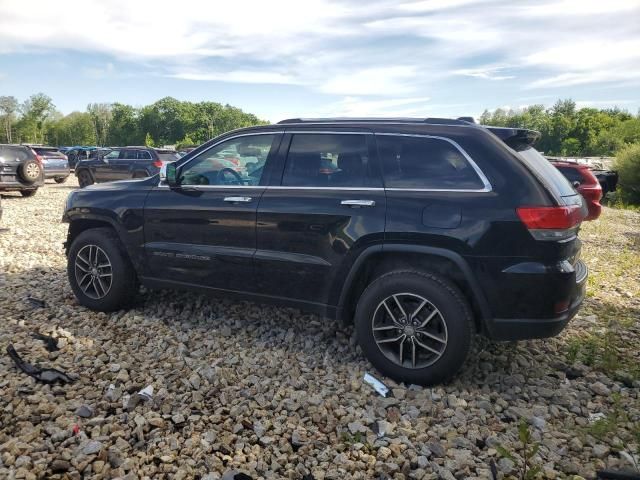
585	182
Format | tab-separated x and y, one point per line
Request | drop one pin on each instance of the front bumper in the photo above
509	329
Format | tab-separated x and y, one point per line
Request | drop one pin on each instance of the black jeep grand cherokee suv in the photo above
422	232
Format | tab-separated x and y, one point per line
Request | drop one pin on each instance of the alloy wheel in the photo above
409	330
94	274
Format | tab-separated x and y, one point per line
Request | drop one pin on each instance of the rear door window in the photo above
144	155
425	163
328	160
129	154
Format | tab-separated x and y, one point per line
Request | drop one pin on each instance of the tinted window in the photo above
546	172
327	160
129	154
420	162
10	153
144	155
168	156
239	161
112	155
49	152
571	174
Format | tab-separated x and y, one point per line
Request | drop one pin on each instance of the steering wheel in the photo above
221	174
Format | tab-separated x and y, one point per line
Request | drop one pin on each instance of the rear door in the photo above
326	205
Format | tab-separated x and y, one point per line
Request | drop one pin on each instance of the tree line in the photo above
165	122
566	130
569	131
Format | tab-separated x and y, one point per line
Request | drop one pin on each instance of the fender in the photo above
461	263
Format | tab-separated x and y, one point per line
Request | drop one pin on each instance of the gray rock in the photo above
92	447
538	422
84	411
506	465
355	427
60	466
600	388
600	451
437	449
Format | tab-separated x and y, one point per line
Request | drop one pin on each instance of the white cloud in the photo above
366	107
389	80
487	73
340	47
237	76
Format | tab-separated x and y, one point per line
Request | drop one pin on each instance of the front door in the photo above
203	232
328	206
104	167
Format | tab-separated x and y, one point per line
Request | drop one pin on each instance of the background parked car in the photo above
77	153
123	163
585	182
20	170
55	163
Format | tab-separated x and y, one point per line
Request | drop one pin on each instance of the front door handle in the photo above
358	203
237	199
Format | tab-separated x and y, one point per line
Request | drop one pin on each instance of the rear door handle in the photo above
237	199
358	203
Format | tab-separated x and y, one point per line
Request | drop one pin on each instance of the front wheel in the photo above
84	178
99	271
415	327
28	193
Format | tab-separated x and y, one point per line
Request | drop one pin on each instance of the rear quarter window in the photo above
546	172
425	163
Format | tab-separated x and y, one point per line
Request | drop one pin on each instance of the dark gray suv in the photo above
20	170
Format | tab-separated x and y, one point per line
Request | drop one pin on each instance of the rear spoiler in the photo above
517	138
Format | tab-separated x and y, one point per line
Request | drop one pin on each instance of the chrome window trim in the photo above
328	132
485	181
486	189
363	123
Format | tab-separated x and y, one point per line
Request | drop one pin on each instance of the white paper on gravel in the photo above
378	386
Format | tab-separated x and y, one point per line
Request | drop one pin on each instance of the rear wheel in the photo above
84	178
30	171
28	193
60	179
99	271
414	326
140	175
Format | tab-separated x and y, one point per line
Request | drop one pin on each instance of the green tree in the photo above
35	112
148	140
101	117
124	128
8	111
628	166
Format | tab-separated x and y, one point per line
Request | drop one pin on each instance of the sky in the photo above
311	58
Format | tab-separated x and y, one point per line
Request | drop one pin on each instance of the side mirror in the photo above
168	174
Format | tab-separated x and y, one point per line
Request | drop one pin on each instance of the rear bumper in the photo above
10	183
56	172
528	328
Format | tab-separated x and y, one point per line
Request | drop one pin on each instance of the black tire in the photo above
30	171
60	179
140	175
455	320
124	283
84	178
28	193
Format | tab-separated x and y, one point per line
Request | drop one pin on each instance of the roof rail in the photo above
433	121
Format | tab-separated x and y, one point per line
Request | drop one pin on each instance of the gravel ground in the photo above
276	393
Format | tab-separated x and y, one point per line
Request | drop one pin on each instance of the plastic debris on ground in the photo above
594	417
50	343
144	395
36	302
44	375
378	386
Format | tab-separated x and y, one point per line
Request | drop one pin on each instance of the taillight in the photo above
157	163
551	223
